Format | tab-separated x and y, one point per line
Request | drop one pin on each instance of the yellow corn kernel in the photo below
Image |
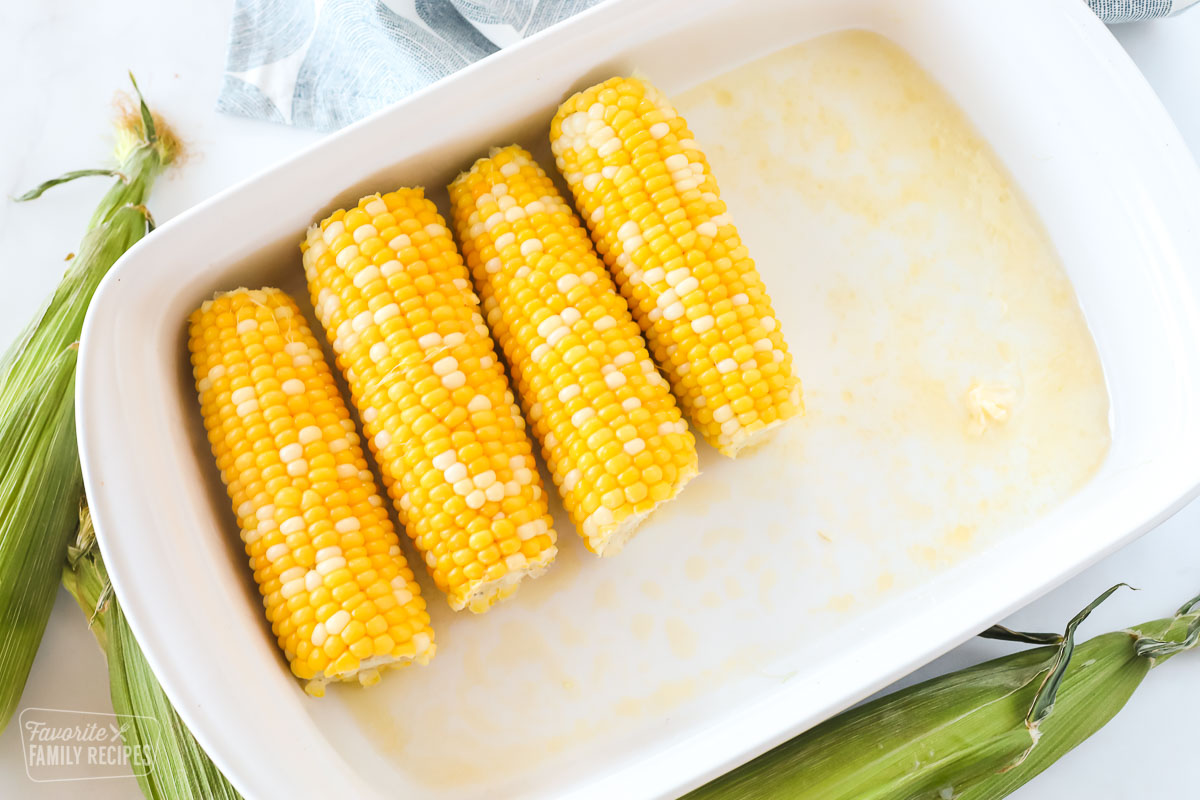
656	216
276	420
396	303
581	367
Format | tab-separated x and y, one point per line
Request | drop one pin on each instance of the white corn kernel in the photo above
337	621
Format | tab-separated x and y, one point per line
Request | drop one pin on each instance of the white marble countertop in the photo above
64	58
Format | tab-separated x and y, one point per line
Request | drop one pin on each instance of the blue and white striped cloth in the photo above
325	63
1137	10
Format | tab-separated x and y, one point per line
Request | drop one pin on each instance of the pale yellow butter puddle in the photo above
953	392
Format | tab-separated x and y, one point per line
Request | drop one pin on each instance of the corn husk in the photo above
1106	671
179	767
976	734
40	488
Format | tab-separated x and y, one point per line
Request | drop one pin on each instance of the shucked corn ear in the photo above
610	431
656	215
976	734
338	593
40	484
180	769
395	300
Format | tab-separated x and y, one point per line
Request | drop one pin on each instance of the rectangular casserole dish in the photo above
1049	88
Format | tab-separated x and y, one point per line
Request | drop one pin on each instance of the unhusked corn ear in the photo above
610	431
656	216
396	303
339	595
976	734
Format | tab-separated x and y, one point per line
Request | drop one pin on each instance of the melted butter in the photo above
606	595
953	392
681	638
988	404
884	582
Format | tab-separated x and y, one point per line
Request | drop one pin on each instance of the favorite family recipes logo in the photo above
61	745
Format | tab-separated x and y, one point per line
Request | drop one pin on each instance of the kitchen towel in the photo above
1134	10
323	64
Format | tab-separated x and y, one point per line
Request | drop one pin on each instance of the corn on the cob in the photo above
655	213
339	595
612	436
977	734
395	299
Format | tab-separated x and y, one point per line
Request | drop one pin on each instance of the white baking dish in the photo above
1066	111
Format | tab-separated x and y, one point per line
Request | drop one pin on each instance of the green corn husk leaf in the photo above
976	734
1003	634
179	768
40	489
1106	671
40	486
119	221
910	744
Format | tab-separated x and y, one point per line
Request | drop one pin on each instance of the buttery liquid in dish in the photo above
953	395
